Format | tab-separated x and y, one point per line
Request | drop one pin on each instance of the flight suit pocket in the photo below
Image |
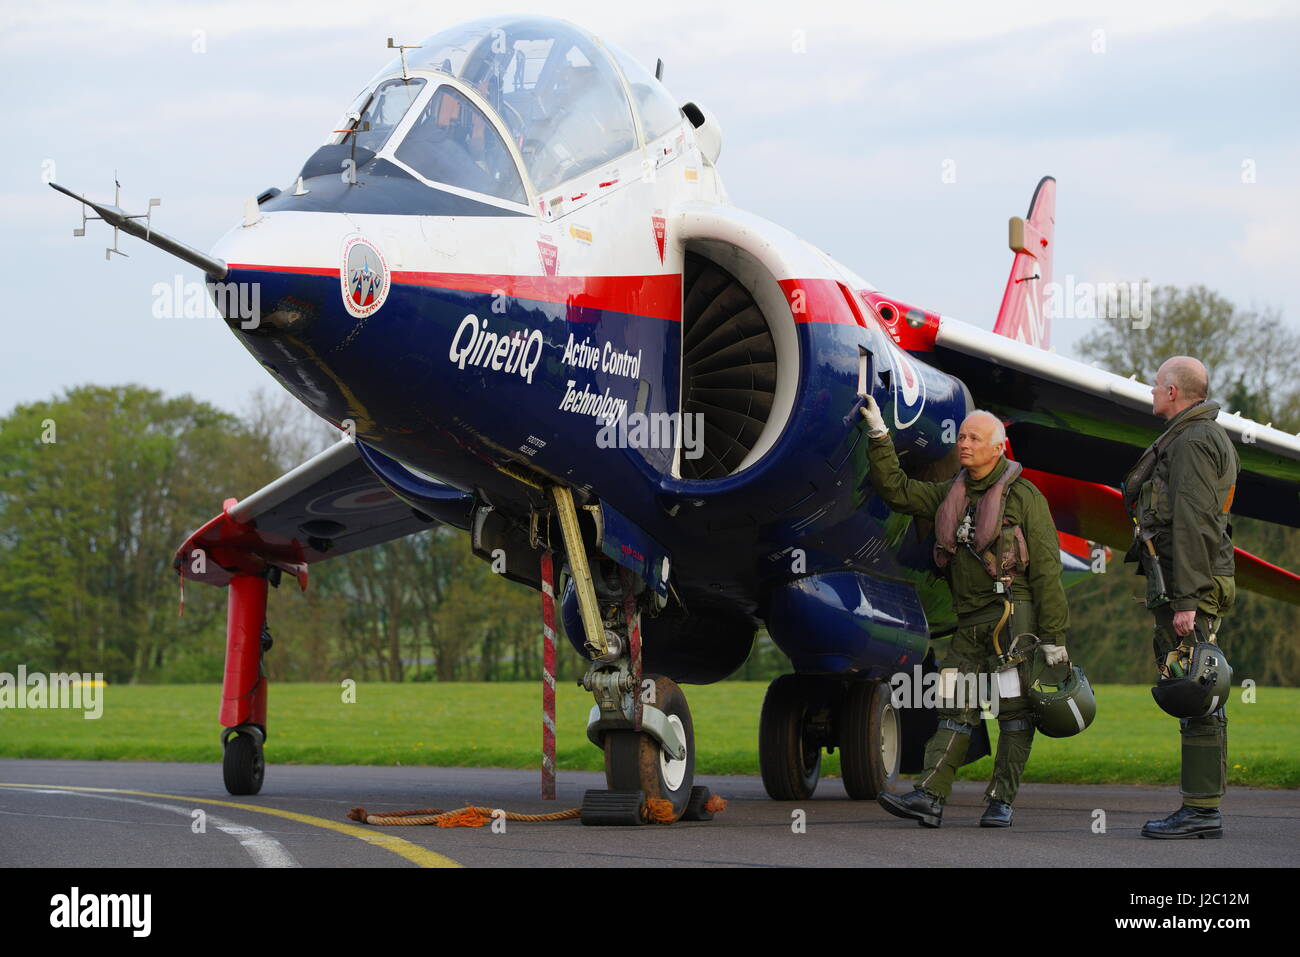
1153	503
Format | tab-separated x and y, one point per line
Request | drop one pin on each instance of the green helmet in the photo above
1065	706
1201	689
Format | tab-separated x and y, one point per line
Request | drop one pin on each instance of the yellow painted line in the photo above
421	856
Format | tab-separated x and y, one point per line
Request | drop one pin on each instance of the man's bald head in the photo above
1188	375
1180	382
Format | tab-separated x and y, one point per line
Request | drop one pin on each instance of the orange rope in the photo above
468	816
655	810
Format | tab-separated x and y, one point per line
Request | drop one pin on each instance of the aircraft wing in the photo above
1073	419
1079	429
1096	513
330	505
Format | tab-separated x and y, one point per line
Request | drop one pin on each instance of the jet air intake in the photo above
729	367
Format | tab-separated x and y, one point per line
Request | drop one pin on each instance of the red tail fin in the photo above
1023	315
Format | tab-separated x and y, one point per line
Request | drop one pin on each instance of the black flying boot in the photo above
997	814
925	809
1187	822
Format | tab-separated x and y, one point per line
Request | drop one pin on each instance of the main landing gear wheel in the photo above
243	766
635	762
789	752
870	736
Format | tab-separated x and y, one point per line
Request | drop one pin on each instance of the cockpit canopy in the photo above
559	94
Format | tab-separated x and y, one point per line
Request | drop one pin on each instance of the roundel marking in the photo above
357	499
909	391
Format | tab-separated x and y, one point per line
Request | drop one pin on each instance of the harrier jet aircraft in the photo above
513	276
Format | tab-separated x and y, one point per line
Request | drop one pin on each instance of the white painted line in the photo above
265	851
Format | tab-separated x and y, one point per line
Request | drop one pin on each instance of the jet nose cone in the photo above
287	241
287	265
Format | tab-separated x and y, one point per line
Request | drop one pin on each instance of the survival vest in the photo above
1147	493
987	527
1145	468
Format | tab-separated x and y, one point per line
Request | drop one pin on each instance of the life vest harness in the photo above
980	526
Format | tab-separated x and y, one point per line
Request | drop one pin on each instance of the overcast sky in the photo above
837	118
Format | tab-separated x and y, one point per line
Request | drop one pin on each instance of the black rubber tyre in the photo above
634	760
791	763
870	735
243	766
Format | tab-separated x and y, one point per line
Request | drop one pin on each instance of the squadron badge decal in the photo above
364	277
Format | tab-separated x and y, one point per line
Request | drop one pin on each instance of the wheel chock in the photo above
612	808
695	805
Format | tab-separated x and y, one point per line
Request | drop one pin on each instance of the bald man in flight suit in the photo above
1179	496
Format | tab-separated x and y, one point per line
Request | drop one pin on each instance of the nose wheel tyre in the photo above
635	761
789	753
243	765
870	735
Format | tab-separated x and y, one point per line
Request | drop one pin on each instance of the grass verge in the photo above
499	725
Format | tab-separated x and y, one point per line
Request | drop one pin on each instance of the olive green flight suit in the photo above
1040	608
1185	504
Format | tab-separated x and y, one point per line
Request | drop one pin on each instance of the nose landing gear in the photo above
650	773
659	762
642	723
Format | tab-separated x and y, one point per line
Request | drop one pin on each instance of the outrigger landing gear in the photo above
802	714
243	765
243	691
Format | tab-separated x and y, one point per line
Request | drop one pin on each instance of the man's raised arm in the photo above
902	494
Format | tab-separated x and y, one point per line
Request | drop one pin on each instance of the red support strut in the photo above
243	690
548	676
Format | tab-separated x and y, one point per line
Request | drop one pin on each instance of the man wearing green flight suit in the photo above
997	545
1179	496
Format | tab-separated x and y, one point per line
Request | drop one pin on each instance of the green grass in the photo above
499	725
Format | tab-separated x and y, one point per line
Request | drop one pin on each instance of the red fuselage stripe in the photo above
657	297
817	300
301	270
